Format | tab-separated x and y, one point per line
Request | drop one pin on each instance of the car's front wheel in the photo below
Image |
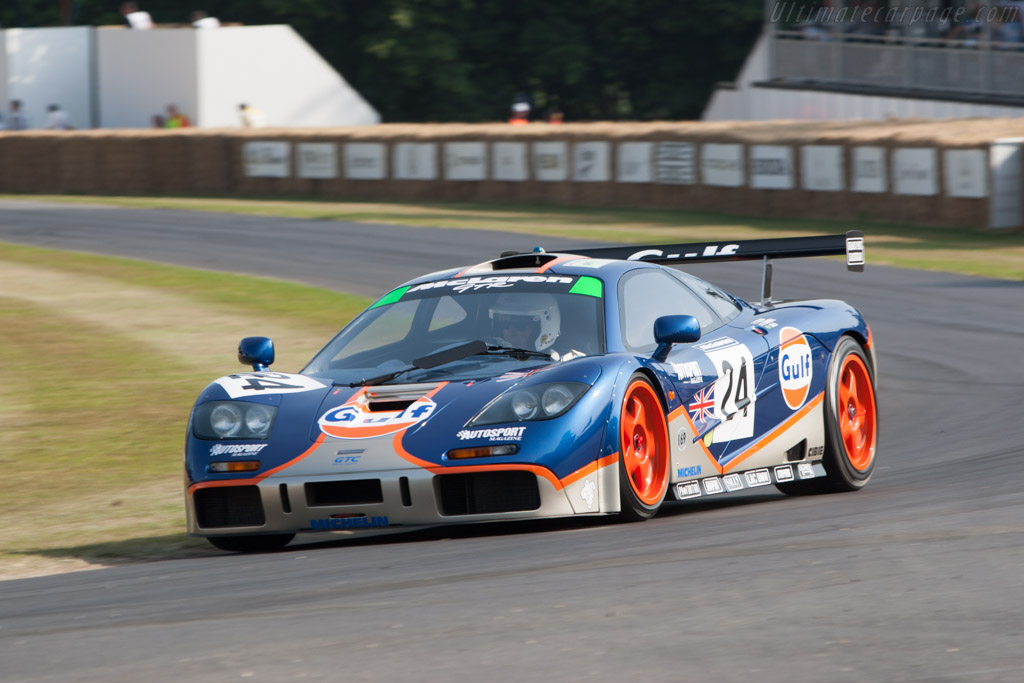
251	544
643	451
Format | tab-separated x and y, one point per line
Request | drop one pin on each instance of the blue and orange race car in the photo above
541	385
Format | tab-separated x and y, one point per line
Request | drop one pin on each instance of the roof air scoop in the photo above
517	261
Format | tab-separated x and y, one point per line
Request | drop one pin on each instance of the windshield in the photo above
550	316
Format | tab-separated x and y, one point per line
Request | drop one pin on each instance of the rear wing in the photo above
851	245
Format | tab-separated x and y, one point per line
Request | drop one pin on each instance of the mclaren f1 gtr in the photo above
538	385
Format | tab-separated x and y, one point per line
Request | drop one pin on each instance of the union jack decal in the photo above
702	409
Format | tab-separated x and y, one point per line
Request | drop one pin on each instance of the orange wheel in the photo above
851	424
851	420
643	449
856	410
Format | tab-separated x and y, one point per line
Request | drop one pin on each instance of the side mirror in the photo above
257	352
674	329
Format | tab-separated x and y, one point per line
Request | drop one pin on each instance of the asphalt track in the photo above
916	578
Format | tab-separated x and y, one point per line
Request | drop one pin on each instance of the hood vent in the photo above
388	406
398	392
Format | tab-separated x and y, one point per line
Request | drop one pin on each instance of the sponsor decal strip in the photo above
540	471
496	434
354	420
438	469
775	433
683	412
489	282
260	477
348	523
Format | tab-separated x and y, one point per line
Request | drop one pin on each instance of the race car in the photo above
539	385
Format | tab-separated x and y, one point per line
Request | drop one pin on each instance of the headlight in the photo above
556	399
226	420
524	404
233	420
541	402
258	420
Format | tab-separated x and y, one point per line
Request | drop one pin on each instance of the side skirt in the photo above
748	479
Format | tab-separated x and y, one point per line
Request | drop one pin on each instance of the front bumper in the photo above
371	501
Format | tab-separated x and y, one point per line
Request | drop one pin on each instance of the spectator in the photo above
158	121
868	19
1008	26
200	19
969	28
520	114
822	23
252	117
16	120
57	118
175	119
135	17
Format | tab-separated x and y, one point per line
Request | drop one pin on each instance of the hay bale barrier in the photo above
957	173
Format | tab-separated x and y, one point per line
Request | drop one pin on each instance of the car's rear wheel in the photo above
851	424
643	451
251	544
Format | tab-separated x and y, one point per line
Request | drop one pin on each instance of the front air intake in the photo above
482	493
349	492
225	506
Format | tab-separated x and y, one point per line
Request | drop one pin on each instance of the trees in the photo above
465	60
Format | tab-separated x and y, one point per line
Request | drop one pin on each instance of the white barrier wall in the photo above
275	70
821	168
1006	165
914	171
141	72
676	163
869	170
4	96
45	66
115	77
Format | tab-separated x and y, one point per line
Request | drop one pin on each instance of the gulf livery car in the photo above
540	385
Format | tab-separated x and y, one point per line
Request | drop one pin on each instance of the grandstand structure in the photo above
850	59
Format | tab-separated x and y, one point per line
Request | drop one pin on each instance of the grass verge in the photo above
104	359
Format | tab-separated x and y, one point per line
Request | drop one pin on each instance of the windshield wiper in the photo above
427	362
518	354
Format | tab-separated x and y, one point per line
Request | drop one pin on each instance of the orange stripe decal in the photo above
590	469
775	433
555	262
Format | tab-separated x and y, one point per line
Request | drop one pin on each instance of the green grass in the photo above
957	250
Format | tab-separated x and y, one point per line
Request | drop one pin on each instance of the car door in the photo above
710	380
739	353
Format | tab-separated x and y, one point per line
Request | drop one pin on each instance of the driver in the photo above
526	321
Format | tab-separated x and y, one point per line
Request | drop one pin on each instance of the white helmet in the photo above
541	309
